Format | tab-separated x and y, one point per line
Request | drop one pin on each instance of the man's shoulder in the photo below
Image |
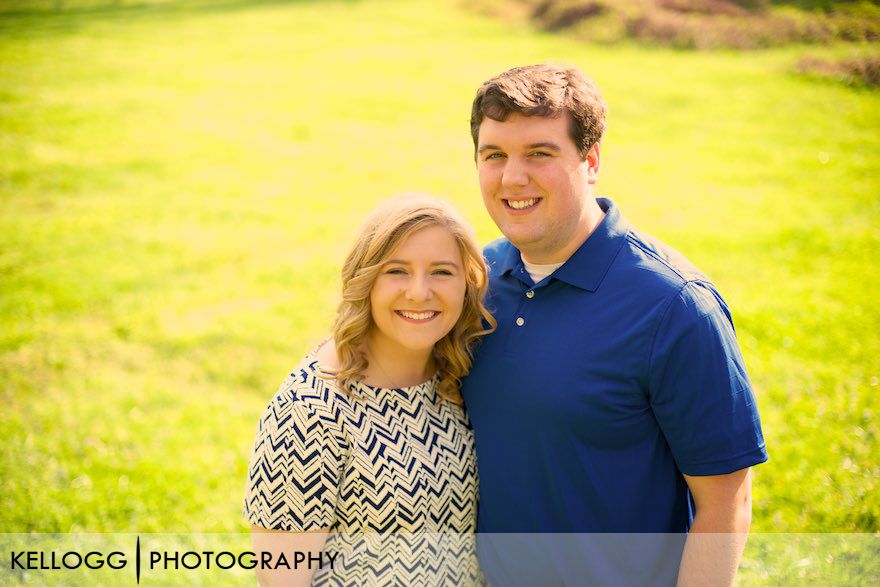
497	251
499	246
653	260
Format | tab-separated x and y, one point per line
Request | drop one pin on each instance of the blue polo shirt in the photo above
602	384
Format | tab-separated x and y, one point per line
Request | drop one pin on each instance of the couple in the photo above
607	392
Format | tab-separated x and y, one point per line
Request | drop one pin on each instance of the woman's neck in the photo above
396	367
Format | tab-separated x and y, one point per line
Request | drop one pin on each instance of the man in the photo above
613	397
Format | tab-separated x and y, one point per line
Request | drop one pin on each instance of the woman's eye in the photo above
443	272
396	271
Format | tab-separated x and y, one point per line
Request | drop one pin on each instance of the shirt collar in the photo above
590	262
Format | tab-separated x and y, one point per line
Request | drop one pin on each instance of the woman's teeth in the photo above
417	315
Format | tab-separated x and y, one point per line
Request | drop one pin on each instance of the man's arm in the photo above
721	526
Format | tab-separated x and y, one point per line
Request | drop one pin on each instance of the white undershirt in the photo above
539	272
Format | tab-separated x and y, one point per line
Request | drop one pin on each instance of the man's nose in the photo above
514	174
418	289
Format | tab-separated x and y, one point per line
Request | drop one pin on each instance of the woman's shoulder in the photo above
309	388
325	357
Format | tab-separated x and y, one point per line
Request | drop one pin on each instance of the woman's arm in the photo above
276	542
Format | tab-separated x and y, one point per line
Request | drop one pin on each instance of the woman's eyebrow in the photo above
402	262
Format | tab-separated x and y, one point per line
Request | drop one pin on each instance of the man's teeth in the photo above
520	204
417	315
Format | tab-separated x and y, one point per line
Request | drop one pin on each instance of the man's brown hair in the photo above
543	90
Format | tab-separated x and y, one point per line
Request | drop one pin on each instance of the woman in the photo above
365	451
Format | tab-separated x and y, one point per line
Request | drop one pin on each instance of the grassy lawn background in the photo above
178	186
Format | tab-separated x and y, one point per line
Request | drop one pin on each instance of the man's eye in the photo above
541	154
494	156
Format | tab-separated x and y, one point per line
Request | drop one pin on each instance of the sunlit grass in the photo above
178	186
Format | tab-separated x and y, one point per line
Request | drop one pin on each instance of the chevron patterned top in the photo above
379	466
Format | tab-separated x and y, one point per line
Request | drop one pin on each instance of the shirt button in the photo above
520	321
530	294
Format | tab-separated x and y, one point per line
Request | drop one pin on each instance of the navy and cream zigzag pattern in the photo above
390	472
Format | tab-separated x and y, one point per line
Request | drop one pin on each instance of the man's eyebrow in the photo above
545	145
541	145
488	148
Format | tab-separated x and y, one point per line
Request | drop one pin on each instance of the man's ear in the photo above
592	161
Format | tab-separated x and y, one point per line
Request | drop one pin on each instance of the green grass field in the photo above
178	186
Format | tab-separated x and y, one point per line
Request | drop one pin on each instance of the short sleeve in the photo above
293	476
699	389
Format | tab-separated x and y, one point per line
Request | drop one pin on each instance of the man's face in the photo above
535	184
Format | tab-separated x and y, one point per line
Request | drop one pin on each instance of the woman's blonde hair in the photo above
386	228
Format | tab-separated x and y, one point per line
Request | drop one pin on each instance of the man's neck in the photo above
539	272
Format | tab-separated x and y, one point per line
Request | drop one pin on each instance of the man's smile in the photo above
518	204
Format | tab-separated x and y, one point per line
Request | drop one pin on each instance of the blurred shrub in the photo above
863	70
705	24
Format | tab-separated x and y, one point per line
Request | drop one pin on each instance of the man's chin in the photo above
522	240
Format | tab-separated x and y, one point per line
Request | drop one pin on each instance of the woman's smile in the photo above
412	316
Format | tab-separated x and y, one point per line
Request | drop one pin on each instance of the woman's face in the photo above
419	293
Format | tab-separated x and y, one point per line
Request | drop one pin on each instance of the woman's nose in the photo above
418	289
